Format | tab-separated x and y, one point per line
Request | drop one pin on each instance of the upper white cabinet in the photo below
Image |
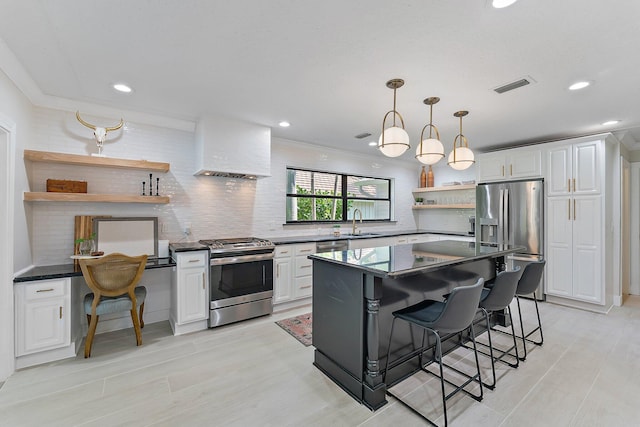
515	163
575	169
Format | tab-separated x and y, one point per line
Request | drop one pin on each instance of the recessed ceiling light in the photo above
121	87
579	85
373	143
610	122
284	124
499	4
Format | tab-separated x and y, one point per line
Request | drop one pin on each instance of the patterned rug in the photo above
299	327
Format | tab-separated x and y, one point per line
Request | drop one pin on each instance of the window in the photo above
314	196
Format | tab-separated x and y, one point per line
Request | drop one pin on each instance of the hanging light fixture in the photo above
394	141
430	150
461	157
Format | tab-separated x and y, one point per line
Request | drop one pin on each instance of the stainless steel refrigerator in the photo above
513	213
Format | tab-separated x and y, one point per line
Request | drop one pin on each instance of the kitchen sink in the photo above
360	234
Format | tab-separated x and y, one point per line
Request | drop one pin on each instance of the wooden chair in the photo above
113	279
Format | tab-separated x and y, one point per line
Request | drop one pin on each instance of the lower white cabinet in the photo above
189	292
293	272
42	315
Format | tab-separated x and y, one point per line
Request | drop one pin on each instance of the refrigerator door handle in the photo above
500	240
507	219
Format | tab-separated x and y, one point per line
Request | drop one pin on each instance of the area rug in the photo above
298	327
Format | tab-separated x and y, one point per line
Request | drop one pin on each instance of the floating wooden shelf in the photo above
456	206
87	197
447	188
107	162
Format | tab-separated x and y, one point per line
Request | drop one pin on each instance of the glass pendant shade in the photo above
461	158
396	142
430	151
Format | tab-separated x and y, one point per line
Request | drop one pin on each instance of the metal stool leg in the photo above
525	338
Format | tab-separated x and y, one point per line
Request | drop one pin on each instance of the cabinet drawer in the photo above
46	289
303	287
192	260
303	266
283	251
305	249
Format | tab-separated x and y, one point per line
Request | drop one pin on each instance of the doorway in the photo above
7	163
625	231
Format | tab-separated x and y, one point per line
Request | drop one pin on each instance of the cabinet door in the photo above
559	247
559	173
43	318
282	276
491	167
587	252
524	163
586	168
192	295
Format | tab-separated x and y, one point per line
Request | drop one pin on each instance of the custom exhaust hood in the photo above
232	149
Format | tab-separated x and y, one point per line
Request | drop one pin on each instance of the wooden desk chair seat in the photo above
113	279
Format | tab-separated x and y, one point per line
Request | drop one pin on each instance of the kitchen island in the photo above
356	291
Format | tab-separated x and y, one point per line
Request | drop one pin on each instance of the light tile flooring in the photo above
255	374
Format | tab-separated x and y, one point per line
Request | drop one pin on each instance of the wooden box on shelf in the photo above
65	186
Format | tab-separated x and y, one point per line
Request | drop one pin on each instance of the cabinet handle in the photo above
502	170
569	209
305	287
574	185
305	250
284	252
61	312
194	260
278	271
305	266
203	280
45	290
569	185
574	209
510	169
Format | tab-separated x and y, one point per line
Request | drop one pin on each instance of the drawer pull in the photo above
305	266
61	312
194	260
46	290
305	287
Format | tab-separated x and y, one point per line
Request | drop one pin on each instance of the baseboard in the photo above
291	304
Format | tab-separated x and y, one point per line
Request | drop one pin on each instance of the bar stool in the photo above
498	298
527	285
451	316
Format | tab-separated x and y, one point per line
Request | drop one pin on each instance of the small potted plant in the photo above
86	245
419	200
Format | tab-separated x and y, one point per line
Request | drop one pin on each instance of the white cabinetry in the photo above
576	221
515	163
293	272
43	320
575	169
189	292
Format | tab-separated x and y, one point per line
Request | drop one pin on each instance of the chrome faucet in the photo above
354	228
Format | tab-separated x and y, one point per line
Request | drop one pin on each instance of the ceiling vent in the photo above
363	135
514	85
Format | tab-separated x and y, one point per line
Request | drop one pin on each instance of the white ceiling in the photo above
322	65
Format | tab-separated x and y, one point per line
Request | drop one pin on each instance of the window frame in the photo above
344	197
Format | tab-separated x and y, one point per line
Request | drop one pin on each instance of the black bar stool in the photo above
449	317
527	285
498	298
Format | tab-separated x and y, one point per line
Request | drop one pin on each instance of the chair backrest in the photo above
460	308
530	279
114	274
503	290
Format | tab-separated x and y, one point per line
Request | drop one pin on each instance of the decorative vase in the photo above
423	177
429	176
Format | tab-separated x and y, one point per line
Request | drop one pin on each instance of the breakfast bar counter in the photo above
356	291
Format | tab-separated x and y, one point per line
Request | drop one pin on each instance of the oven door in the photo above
238	279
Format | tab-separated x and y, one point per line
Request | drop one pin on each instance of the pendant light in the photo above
430	150
394	141
461	157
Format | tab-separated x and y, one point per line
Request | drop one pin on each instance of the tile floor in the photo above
255	374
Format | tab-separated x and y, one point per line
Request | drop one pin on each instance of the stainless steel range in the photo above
240	279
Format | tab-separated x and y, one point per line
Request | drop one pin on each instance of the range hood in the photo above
232	149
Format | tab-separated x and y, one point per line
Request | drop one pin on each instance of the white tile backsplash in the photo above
213	206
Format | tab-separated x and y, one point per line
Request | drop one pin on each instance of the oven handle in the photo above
241	259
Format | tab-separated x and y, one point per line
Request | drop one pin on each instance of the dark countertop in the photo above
403	260
324	238
187	247
46	272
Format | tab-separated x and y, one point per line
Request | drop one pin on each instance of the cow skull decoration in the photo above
99	132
